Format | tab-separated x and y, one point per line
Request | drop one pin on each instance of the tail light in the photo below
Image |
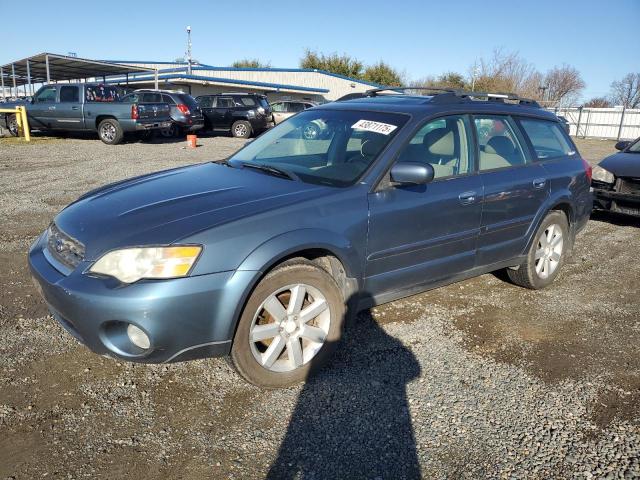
587	169
184	109
134	112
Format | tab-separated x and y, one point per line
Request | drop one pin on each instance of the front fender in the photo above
269	253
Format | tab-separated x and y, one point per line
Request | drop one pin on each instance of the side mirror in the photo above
412	173
622	145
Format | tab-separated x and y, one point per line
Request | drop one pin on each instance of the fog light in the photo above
138	337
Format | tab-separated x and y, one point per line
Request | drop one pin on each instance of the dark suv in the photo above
261	256
186	115
244	114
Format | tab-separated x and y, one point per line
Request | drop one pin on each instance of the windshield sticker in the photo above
378	127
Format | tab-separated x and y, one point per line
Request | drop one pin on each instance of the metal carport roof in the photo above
47	67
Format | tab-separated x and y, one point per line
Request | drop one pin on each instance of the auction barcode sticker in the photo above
378	127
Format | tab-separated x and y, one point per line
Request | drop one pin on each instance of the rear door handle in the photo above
467	198
75	108
539	183
52	108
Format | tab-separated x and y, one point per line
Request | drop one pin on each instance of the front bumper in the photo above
184	318
625	203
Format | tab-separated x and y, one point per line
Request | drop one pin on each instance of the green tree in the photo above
250	63
334	63
382	74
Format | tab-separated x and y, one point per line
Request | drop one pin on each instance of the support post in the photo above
29	78
13	75
46	61
155	78
4	95
624	108
579	118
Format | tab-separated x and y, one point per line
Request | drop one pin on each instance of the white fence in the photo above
616	123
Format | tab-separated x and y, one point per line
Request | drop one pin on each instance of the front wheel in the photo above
241	129
12	125
110	131
289	327
546	255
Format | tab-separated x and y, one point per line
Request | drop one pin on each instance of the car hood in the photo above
164	207
622	164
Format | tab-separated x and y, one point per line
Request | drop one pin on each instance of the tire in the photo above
266	362
241	129
110	131
12	125
536	273
170	132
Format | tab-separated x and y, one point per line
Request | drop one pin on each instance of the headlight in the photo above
251	113
131	264
602	175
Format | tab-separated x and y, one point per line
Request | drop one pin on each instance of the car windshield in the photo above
326	147
635	148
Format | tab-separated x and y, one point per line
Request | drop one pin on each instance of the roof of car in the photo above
442	102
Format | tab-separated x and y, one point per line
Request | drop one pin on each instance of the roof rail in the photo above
453	95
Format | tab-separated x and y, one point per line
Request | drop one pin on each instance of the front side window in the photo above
444	144
498	144
46	95
547	138
206	102
326	147
278	107
69	94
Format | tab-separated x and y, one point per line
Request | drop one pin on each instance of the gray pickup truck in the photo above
89	107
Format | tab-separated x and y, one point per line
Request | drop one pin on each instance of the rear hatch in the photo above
153	111
191	104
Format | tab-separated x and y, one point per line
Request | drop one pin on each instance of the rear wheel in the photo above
110	131
289	327
241	129
170	132
12	125
546	255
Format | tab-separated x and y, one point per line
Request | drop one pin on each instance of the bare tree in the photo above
627	91
506	72
597	102
563	86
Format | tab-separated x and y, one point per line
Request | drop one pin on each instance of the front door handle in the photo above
467	198
75	108
52	108
539	183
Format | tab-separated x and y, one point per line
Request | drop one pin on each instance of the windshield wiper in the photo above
271	170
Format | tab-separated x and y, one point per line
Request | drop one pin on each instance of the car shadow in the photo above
617	219
352	417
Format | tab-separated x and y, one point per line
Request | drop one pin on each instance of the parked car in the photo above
244	114
616	180
287	108
186	115
89	107
263	256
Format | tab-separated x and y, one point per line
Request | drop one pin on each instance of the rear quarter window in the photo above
244	101
547	138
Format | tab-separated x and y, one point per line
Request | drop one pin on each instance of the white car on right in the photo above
284	109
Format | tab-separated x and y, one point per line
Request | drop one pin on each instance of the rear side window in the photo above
498	144
69	94
152	98
168	99
245	101
547	138
224	102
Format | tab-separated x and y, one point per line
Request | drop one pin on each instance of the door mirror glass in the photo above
412	173
622	145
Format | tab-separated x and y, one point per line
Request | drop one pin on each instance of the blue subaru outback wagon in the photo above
261	256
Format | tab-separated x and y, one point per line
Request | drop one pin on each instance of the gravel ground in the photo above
477	379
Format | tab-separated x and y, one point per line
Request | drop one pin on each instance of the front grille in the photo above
63	248
629	185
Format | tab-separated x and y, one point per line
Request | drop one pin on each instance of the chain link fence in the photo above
614	123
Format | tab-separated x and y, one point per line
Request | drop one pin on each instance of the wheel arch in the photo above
100	118
562	202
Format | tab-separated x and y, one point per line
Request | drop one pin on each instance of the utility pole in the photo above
189	49
474	74
544	91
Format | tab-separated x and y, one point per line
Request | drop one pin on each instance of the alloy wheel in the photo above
108	132
290	327
549	251
240	130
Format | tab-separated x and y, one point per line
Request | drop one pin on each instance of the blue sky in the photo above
601	39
